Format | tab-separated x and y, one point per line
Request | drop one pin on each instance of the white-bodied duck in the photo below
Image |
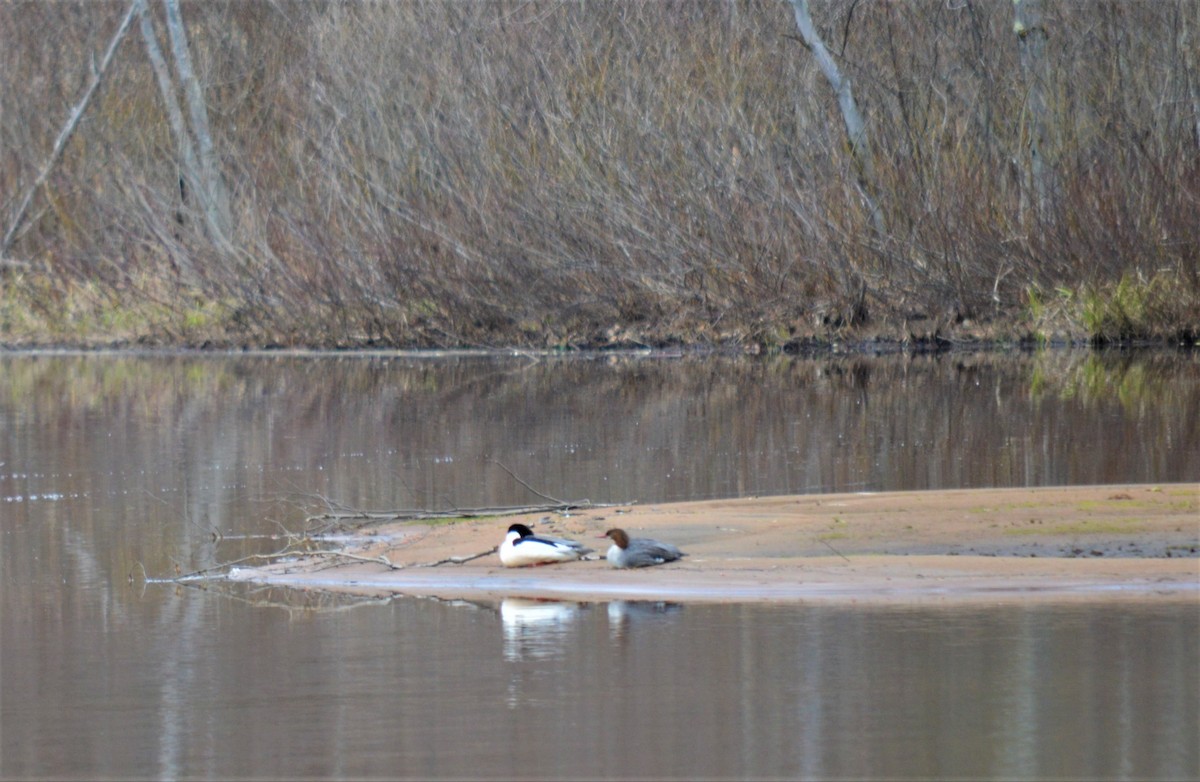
521	547
638	552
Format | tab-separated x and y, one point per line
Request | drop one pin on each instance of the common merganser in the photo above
638	552
521	547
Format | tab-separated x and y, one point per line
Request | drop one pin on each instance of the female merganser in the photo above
521	547
638	552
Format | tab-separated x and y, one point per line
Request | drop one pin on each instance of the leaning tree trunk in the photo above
213	194
68	129
856	129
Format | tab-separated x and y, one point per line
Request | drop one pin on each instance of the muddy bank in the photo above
1072	543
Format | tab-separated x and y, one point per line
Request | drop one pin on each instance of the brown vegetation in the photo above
556	174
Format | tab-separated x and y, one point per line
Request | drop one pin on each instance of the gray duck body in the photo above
629	552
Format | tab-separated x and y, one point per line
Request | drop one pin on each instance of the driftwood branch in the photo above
390	565
374	516
301	546
221	571
526	485
305	545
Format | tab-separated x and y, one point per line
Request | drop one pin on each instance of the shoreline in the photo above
1120	542
817	346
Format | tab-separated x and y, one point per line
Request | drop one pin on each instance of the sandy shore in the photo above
1129	542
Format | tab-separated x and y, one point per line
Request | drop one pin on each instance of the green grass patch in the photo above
1122	526
442	521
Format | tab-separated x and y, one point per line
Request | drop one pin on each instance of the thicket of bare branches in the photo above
547	173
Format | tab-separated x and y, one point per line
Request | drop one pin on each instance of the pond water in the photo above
115	465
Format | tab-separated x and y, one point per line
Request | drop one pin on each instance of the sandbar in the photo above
1076	543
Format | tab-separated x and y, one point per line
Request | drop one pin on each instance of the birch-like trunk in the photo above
183	140
856	128
68	129
214	196
1038	190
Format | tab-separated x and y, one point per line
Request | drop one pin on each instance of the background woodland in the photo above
553	174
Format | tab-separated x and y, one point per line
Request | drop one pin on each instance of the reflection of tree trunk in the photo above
1039	174
69	128
202	174
856	130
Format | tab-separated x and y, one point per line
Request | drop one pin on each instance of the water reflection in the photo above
625	615
535	629
152	455
112	464
392	432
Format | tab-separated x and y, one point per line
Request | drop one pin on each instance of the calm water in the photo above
112	464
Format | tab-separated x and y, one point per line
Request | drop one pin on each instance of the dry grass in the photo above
555	174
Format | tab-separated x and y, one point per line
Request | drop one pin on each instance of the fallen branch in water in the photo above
306	545
298	547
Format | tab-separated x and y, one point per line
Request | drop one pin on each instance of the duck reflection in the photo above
535	629
623	615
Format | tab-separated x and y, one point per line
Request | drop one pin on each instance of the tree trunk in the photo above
214	196
68	129
856	131
183	141
1038	186
1192	80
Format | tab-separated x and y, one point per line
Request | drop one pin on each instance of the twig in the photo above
145	575
464	513
296	543
383	560
458	560
291	549
526	485
835	551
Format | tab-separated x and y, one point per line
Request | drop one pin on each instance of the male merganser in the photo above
638	552
521	547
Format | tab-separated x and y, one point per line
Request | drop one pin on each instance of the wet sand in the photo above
1128	542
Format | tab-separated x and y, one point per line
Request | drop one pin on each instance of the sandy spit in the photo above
1126	542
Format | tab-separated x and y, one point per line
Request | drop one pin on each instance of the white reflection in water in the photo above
535	629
